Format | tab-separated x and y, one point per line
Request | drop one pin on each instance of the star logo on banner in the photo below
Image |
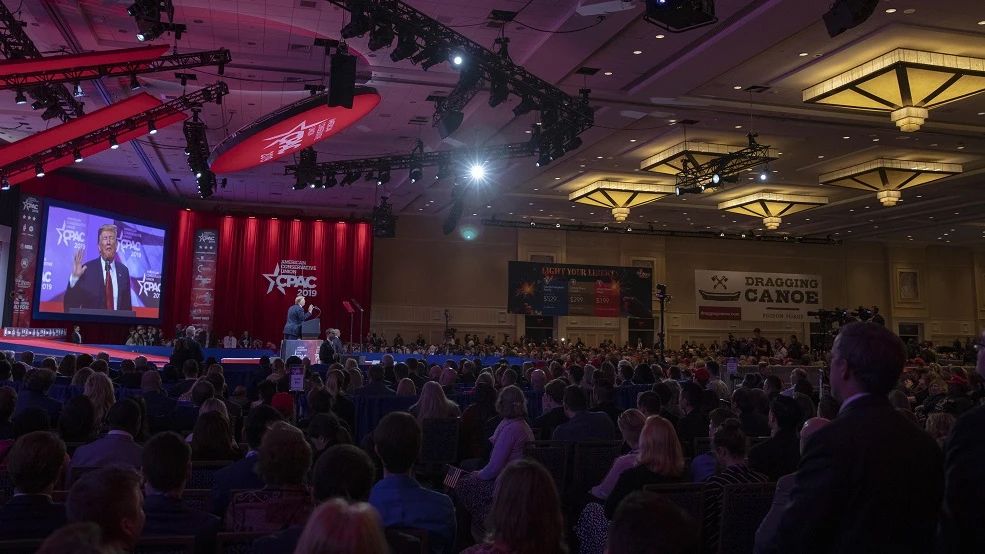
61	234
272	278
290	140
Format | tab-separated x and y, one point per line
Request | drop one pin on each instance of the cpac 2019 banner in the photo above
589	290
99	265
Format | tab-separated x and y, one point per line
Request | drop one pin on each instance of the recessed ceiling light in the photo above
632	140
530	204
673	120
960	147
536	189
852	210
875	140
528	131
820	157
599	157
557	178
737	87
803	54
981	113
955	213
591	213
637	52
607	73
846	137
487	207
981	22
738	126
909	10
661	36
919	196
891	10
511	213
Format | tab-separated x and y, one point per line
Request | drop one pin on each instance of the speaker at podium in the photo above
311	329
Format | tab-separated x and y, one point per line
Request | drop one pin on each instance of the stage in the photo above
43	348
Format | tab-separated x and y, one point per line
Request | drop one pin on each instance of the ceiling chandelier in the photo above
620	197
888	177
905	83
771	206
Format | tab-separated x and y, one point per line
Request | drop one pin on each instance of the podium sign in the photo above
302	349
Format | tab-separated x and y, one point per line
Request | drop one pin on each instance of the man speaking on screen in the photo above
100	284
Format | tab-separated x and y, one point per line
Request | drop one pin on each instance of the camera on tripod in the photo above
862	313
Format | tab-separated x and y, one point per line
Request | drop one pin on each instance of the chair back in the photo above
553	455
593	460
78	472
419	534
439	440
203	473
198	499
687	496
701	445
743	508
27	546
165	545
236	543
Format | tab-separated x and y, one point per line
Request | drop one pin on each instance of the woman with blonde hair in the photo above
406	387
337	527
433	404
99	389
630	425
355	379
81	376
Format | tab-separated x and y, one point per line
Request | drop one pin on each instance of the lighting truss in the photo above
694	179
85	71
574	115
16	45
415	160
99	136
649	231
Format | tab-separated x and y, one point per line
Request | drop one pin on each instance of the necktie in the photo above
109	288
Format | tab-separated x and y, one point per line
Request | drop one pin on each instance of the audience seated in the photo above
433	404
242	473
77	538
377	384
34	463
849	493
118	446
285	500
603	395
582	425
99	389
780	454
8	400
694	422
473	442
78	420
754	424
647	523
705	465
343	528
325	431
552	409
166	467
729	444
398	497
111	498
659	461
212	438
630	426
784	485
34	394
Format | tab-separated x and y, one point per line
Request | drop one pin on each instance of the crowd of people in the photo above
883	455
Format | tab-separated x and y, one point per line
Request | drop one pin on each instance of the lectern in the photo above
311	329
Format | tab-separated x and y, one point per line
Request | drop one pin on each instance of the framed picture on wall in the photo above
907	286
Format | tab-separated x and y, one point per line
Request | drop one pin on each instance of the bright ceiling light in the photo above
478	172
457	59
803	54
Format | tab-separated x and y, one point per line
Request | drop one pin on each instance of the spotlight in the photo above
39	169
384	177
151	128
350	178
331	181
629	229
525	106
78	155
4	184
149	30
380	36
605	228
113	144
557	225
36	105
716	178
19	98
134	83
678	191
432	61
416	173
198	173
764	175
78	93
457	59
572	143
533	223
499	92
722	234
429	51
478	172
442	172
544	159
558	151
406	47
369	177
51	112
358	26
315	184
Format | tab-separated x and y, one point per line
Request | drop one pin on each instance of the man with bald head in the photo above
854	489
538	379
767	529
961	523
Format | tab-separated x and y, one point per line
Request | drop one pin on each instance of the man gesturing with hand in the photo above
102	283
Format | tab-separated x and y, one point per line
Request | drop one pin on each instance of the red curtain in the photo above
337	254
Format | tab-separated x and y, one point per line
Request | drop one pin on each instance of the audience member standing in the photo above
855	489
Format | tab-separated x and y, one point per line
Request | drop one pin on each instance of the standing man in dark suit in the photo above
34	463
103	283
854	490
961	524
76	336
194	347
166	467
295	317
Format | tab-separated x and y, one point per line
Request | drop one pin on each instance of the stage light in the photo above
187	152
380	36
358	26
19	98
384	177
51	112
113	144
369	178
331	181
558	151
36	105
406	47
78	155
442	172
572	144
557	225
350	178
4	184
525	106
78	93
416	173
469	232
722	234
198	173
457	59
151	128
605	228
39	170
716	178
314	183
764	174
499	92
544	159
133	10
478	172
678	191
134	83
533	223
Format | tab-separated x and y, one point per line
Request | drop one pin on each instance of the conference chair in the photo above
687	496
592	461
236	543
701	445
553	455
743	508
439	441
203	473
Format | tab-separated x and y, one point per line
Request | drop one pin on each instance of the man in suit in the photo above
76	336
111	498
695	421
194	346
780	454
190	369
582	425
166	467
604	393
398	497
240	474
129	376
117	447
767	529
35	394
330	347
552	403
34	463
754	424
159	406
377	384
102	283
295	317
854	489
961	523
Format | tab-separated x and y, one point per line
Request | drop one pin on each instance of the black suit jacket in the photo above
167	517
962	528
237	475
30	399
90	290
296	315
856	490
158	405
754	425
776	456
694	424
550	421
75	338
31	516
194	351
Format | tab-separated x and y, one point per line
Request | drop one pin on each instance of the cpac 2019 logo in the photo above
288	279
133	247
70	237
149	287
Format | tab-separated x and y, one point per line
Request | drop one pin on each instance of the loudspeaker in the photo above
846	14
450	123
341	80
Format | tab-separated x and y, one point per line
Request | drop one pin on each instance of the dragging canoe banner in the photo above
740	295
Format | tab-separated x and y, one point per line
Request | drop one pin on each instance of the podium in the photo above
311	329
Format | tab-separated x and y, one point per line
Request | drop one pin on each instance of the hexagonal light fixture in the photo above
906	83
771	206
672	160
619	197
888	177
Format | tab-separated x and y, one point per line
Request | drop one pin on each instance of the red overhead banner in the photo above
72	62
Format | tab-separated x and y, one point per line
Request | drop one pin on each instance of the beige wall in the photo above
422	272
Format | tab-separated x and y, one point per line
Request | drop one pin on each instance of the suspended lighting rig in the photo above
694	179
